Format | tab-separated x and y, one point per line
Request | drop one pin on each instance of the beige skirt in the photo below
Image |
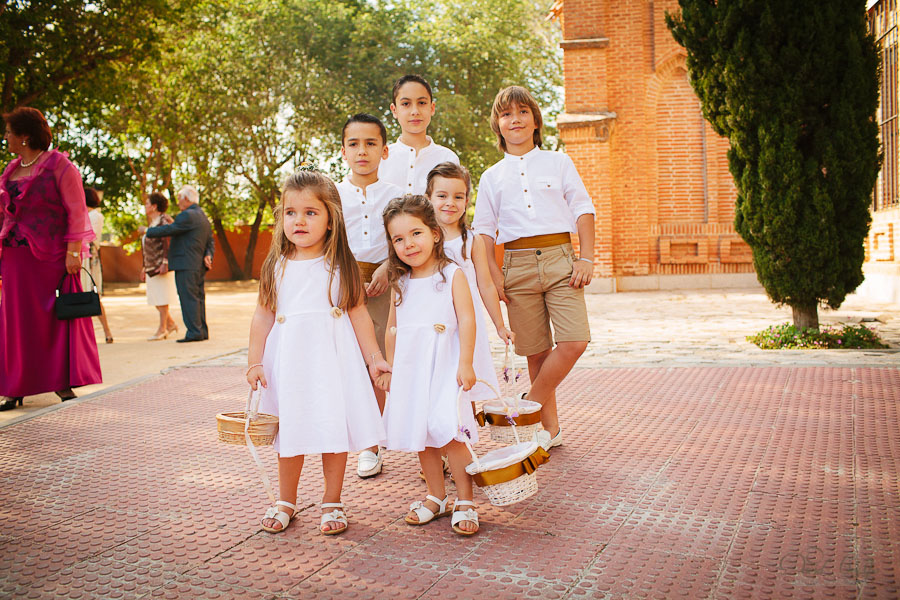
161	289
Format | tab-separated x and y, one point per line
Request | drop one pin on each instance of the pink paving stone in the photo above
688	482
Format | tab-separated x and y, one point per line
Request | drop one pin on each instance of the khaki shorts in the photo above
536	282
379	308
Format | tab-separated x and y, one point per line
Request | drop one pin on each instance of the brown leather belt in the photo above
366	269
539	241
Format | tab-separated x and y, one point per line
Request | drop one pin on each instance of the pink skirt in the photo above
38	352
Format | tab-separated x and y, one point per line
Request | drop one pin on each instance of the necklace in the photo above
28	164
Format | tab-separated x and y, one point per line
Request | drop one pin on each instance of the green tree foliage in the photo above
54	52
794	87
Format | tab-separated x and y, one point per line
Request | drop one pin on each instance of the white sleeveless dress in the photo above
318	385
421	409
483	362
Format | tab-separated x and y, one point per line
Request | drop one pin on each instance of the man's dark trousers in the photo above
192	296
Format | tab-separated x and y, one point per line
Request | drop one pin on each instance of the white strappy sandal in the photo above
280	516
468	514
424	513
335	516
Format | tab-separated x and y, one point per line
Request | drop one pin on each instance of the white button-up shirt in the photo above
404	168
534	194
362	215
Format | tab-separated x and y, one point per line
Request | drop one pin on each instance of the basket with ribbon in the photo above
506	475
251	428
504	413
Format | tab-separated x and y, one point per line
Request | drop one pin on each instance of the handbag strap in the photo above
250	414
63	278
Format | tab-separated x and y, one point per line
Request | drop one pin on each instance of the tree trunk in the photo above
254	235
236	272
806	317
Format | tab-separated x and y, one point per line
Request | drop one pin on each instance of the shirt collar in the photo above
530	154
427	137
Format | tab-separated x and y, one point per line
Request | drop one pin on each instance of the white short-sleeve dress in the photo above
318	385
421	409
483	362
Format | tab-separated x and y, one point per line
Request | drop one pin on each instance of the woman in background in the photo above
44	232
160	280
92	264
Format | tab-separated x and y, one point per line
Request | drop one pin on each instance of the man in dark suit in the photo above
190	256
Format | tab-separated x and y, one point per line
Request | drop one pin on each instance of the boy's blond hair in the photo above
515	94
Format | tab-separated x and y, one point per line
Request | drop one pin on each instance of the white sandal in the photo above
280	516
424	513
335	516
464	515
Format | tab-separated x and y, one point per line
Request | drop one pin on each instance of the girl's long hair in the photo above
336	252
449	170
419	207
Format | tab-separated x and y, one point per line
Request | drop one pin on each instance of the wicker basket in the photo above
499	416
506	475
235	427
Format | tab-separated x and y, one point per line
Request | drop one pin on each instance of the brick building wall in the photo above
882	266
656	171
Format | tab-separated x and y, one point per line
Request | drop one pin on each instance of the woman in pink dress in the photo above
44	231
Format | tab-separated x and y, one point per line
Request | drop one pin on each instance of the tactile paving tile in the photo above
626	572
813	558
530	556
676	532
671	482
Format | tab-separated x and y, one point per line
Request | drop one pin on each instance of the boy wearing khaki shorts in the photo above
532	201
363	198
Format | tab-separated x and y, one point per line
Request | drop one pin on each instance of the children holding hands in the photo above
370	287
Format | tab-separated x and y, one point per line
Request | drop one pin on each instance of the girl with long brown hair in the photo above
311	340
430	342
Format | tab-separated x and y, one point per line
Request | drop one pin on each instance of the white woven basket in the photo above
499	415
506	475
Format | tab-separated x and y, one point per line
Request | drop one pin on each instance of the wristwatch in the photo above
75	254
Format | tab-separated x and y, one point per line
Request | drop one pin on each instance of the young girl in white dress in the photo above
430	343
308	339
448	190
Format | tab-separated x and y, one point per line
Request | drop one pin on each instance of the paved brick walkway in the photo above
695	482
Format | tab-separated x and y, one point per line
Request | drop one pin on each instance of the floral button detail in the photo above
280	319
336	312
440	327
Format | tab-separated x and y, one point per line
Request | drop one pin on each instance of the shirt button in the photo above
410	166
529	206
365	233
523	174
526	191
538	252
365	216
280	319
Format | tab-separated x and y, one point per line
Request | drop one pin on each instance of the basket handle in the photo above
467	442
251	412
509	362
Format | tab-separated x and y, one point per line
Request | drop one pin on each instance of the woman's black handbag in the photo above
76	305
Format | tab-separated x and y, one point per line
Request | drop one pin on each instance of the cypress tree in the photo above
794	88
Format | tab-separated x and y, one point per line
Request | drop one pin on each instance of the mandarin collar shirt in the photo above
362	216
534	194
409	170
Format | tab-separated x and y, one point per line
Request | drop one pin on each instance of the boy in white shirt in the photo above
531	201
412	157
363	198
